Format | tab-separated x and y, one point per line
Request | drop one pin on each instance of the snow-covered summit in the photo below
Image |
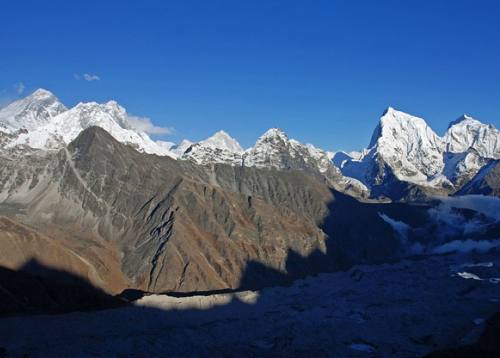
403	147
274	149
50	125
269	150
30	112
462	118
408	145
273	135
222	140
403	144
468	133
219	148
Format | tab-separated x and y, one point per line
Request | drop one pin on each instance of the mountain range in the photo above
405	157
84	191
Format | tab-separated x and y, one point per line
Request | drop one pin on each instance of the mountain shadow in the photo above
222	326
356	234
36	288
488	344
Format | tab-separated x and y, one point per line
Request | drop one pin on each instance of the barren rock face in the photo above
171	225
123	219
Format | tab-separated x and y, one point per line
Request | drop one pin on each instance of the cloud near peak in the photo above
144	124
89	77
19	87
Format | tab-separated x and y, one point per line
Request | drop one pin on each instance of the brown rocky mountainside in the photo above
122	219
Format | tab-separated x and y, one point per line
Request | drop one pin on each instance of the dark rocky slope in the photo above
123	219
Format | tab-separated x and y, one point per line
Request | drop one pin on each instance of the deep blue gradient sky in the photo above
322	70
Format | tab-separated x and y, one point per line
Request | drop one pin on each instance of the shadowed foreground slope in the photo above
409	308
36	288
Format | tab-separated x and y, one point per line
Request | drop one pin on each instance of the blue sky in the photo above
322	70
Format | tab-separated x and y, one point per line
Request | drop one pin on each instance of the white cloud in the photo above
466	246
400	227
91	77
144	124
19	87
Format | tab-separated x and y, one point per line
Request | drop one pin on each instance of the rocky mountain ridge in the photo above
124	219
405	159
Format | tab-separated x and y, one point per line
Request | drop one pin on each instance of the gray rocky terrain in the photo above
402	309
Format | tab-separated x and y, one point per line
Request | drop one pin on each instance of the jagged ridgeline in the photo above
84	191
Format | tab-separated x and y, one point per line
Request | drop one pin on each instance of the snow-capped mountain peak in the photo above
222	140
406	148
393	119
50	125
274	149
273	135
463	118
42	93
30	112
219	148
404	143
403	147
271	150
408	145
467	133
